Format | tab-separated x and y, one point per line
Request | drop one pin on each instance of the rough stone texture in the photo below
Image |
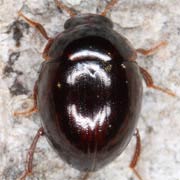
144	23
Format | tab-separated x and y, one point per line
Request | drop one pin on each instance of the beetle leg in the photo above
46	50
27	113
136	155
60	5
149	82
152	50
108	7
28	167
43	32
33	109
34	24
86	176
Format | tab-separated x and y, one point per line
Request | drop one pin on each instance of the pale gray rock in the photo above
144	23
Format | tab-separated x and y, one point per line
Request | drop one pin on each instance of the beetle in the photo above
89	92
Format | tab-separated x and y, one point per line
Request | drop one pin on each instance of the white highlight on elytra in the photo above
88	69
86	122
123	66
88	53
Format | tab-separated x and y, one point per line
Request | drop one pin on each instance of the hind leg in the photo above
136	155
29	160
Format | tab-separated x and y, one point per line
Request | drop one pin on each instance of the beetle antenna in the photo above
108	7
60	5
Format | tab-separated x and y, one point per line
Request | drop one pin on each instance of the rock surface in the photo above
144	23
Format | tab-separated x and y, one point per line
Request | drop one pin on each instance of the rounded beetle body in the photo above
89	93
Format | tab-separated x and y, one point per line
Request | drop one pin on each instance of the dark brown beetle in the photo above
89	92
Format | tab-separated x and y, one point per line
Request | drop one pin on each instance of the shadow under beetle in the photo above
89	92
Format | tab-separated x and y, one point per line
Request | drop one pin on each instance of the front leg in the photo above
34	24
42	31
